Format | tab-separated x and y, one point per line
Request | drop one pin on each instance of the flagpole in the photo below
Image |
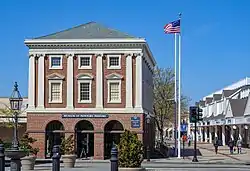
179	96
175	92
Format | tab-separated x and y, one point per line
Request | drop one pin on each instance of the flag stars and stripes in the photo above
173	27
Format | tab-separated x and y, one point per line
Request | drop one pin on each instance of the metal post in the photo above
114	159
15	132
56	158
183	149
195	140
2	158
148	148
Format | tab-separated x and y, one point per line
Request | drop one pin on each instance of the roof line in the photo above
109	40
64	30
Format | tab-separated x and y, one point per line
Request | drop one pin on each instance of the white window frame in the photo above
84	67
90	91
114	81
114	67
50	61
55	81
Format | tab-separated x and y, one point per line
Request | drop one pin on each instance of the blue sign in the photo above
135	122
183	127
85	115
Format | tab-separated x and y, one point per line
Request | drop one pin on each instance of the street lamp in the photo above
148	149
14	153
16	101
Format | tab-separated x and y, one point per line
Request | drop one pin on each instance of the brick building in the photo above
92	82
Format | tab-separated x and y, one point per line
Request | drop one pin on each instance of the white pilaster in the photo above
40	102
138	86
223	135
70	81
99	81
31	95
129	81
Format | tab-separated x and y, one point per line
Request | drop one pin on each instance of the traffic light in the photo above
193	114
199	114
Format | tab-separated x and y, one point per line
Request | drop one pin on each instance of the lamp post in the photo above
148	149
14	153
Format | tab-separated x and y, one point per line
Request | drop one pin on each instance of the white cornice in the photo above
86	110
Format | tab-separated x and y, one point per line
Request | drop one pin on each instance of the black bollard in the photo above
2	158
114	159
56	158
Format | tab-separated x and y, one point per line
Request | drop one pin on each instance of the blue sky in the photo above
215	38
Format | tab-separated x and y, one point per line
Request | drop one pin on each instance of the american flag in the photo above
173	27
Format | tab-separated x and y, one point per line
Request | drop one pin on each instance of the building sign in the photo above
135	122
230	121
183	127
84	115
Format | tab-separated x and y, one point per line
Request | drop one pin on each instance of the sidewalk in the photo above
223	152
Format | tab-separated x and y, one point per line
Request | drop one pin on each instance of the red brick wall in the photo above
37	124
62	72
121	72
93	90
6	133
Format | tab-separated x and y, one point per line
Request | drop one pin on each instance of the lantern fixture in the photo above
16	99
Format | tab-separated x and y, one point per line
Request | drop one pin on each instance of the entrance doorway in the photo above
112	131
53	136
84	138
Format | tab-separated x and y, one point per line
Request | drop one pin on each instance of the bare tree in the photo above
164	104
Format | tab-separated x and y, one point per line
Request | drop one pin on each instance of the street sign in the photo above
135	122
183	127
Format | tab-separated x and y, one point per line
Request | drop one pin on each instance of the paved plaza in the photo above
208	160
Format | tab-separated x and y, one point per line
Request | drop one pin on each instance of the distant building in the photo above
6	133
226	114
90	81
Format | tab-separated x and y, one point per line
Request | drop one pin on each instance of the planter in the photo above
130	169
28	162
69	161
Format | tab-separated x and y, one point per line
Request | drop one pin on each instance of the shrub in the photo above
130	150
26	144
67	145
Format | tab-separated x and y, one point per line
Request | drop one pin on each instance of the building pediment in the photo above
55	76
114	76
85	76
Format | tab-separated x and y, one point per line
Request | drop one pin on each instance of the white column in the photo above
129	81
70	81
210	134
138	86
215	132
201	135
205	132
40	81
188	129
99	81
31	95
240	134
223	135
